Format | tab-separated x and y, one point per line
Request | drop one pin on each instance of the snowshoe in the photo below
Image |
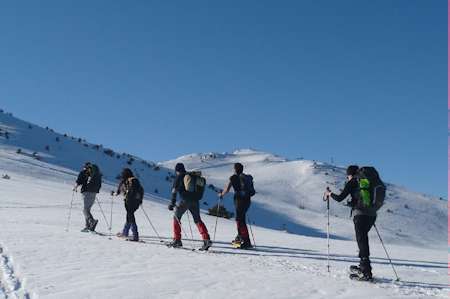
246	245
134	240
175	244
361	277
355	269
121	235
239	244
206	245
236	244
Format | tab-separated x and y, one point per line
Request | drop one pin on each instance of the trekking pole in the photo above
70	211
101	210
110	216
387	254
251	231
151	224
327	198
217	218
190	227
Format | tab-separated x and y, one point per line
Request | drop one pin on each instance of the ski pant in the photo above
193	206
242	205
88	200
363	224
131	221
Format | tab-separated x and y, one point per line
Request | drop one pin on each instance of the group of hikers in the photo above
365	188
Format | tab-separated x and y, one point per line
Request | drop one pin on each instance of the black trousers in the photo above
242	205
131	209
191	205
363	224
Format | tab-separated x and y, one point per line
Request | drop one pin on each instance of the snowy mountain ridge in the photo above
289	192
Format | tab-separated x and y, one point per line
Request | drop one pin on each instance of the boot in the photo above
175	244
134	229
246	244
86	226
125	231
93	225
206	245
365	268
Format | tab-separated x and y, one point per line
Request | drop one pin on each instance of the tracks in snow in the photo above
10	284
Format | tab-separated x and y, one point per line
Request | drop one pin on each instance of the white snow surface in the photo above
40	259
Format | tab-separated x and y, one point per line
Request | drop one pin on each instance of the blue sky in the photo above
361	81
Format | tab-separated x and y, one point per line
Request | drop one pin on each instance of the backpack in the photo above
372	190
138	191
247	188
95	177
194	184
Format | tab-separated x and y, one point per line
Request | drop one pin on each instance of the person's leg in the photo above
179	211
242	206
194	208
127	225
132	221
363	224
88	202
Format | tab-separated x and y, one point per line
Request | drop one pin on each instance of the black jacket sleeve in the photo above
349	189
120	187
175	187
82	178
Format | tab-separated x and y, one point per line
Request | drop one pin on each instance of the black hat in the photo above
180	167
239	168
352	170
127	173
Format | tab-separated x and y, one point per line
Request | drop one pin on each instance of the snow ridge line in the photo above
10	284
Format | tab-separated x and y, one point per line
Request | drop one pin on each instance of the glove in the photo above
171	206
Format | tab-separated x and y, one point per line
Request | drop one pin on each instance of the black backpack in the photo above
95	179
194	184
372	189
137	192
247	188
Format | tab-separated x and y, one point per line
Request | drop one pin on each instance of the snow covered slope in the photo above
43	144
289	197
39	259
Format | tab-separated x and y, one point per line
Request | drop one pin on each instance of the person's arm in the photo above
175	187
346	192
226	190
119	188
80	180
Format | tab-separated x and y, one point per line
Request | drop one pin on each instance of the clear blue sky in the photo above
362	81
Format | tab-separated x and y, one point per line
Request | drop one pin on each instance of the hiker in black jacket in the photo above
242	204
90	180
132	190
187	203
363	218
